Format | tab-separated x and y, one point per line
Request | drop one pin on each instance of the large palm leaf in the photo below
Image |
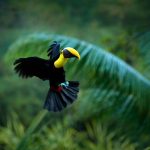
96	69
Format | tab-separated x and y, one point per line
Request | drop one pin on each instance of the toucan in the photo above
61	92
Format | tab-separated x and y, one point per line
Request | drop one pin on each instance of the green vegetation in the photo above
113	108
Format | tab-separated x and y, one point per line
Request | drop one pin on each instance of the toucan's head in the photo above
69	52
66	53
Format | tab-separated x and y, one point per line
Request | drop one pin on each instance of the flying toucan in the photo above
61	92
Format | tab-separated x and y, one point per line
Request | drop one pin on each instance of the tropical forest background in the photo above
113	108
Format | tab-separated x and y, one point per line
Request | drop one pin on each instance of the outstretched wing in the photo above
53	51
32	66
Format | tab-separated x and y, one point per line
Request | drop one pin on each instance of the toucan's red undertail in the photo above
56	89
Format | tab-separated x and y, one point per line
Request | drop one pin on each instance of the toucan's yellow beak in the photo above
69	52
66	53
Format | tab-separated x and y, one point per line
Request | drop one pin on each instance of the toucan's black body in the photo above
61	93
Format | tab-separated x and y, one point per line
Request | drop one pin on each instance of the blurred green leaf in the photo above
23	142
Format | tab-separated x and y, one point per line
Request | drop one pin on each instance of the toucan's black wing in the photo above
33	66
53	51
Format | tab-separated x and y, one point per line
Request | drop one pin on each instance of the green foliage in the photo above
60	136
112	93
110	90
12	133
106	141
31	129
24	96
129	13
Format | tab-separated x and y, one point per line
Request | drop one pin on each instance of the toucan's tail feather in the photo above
58	98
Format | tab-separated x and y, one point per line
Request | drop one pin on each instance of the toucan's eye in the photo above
61	51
